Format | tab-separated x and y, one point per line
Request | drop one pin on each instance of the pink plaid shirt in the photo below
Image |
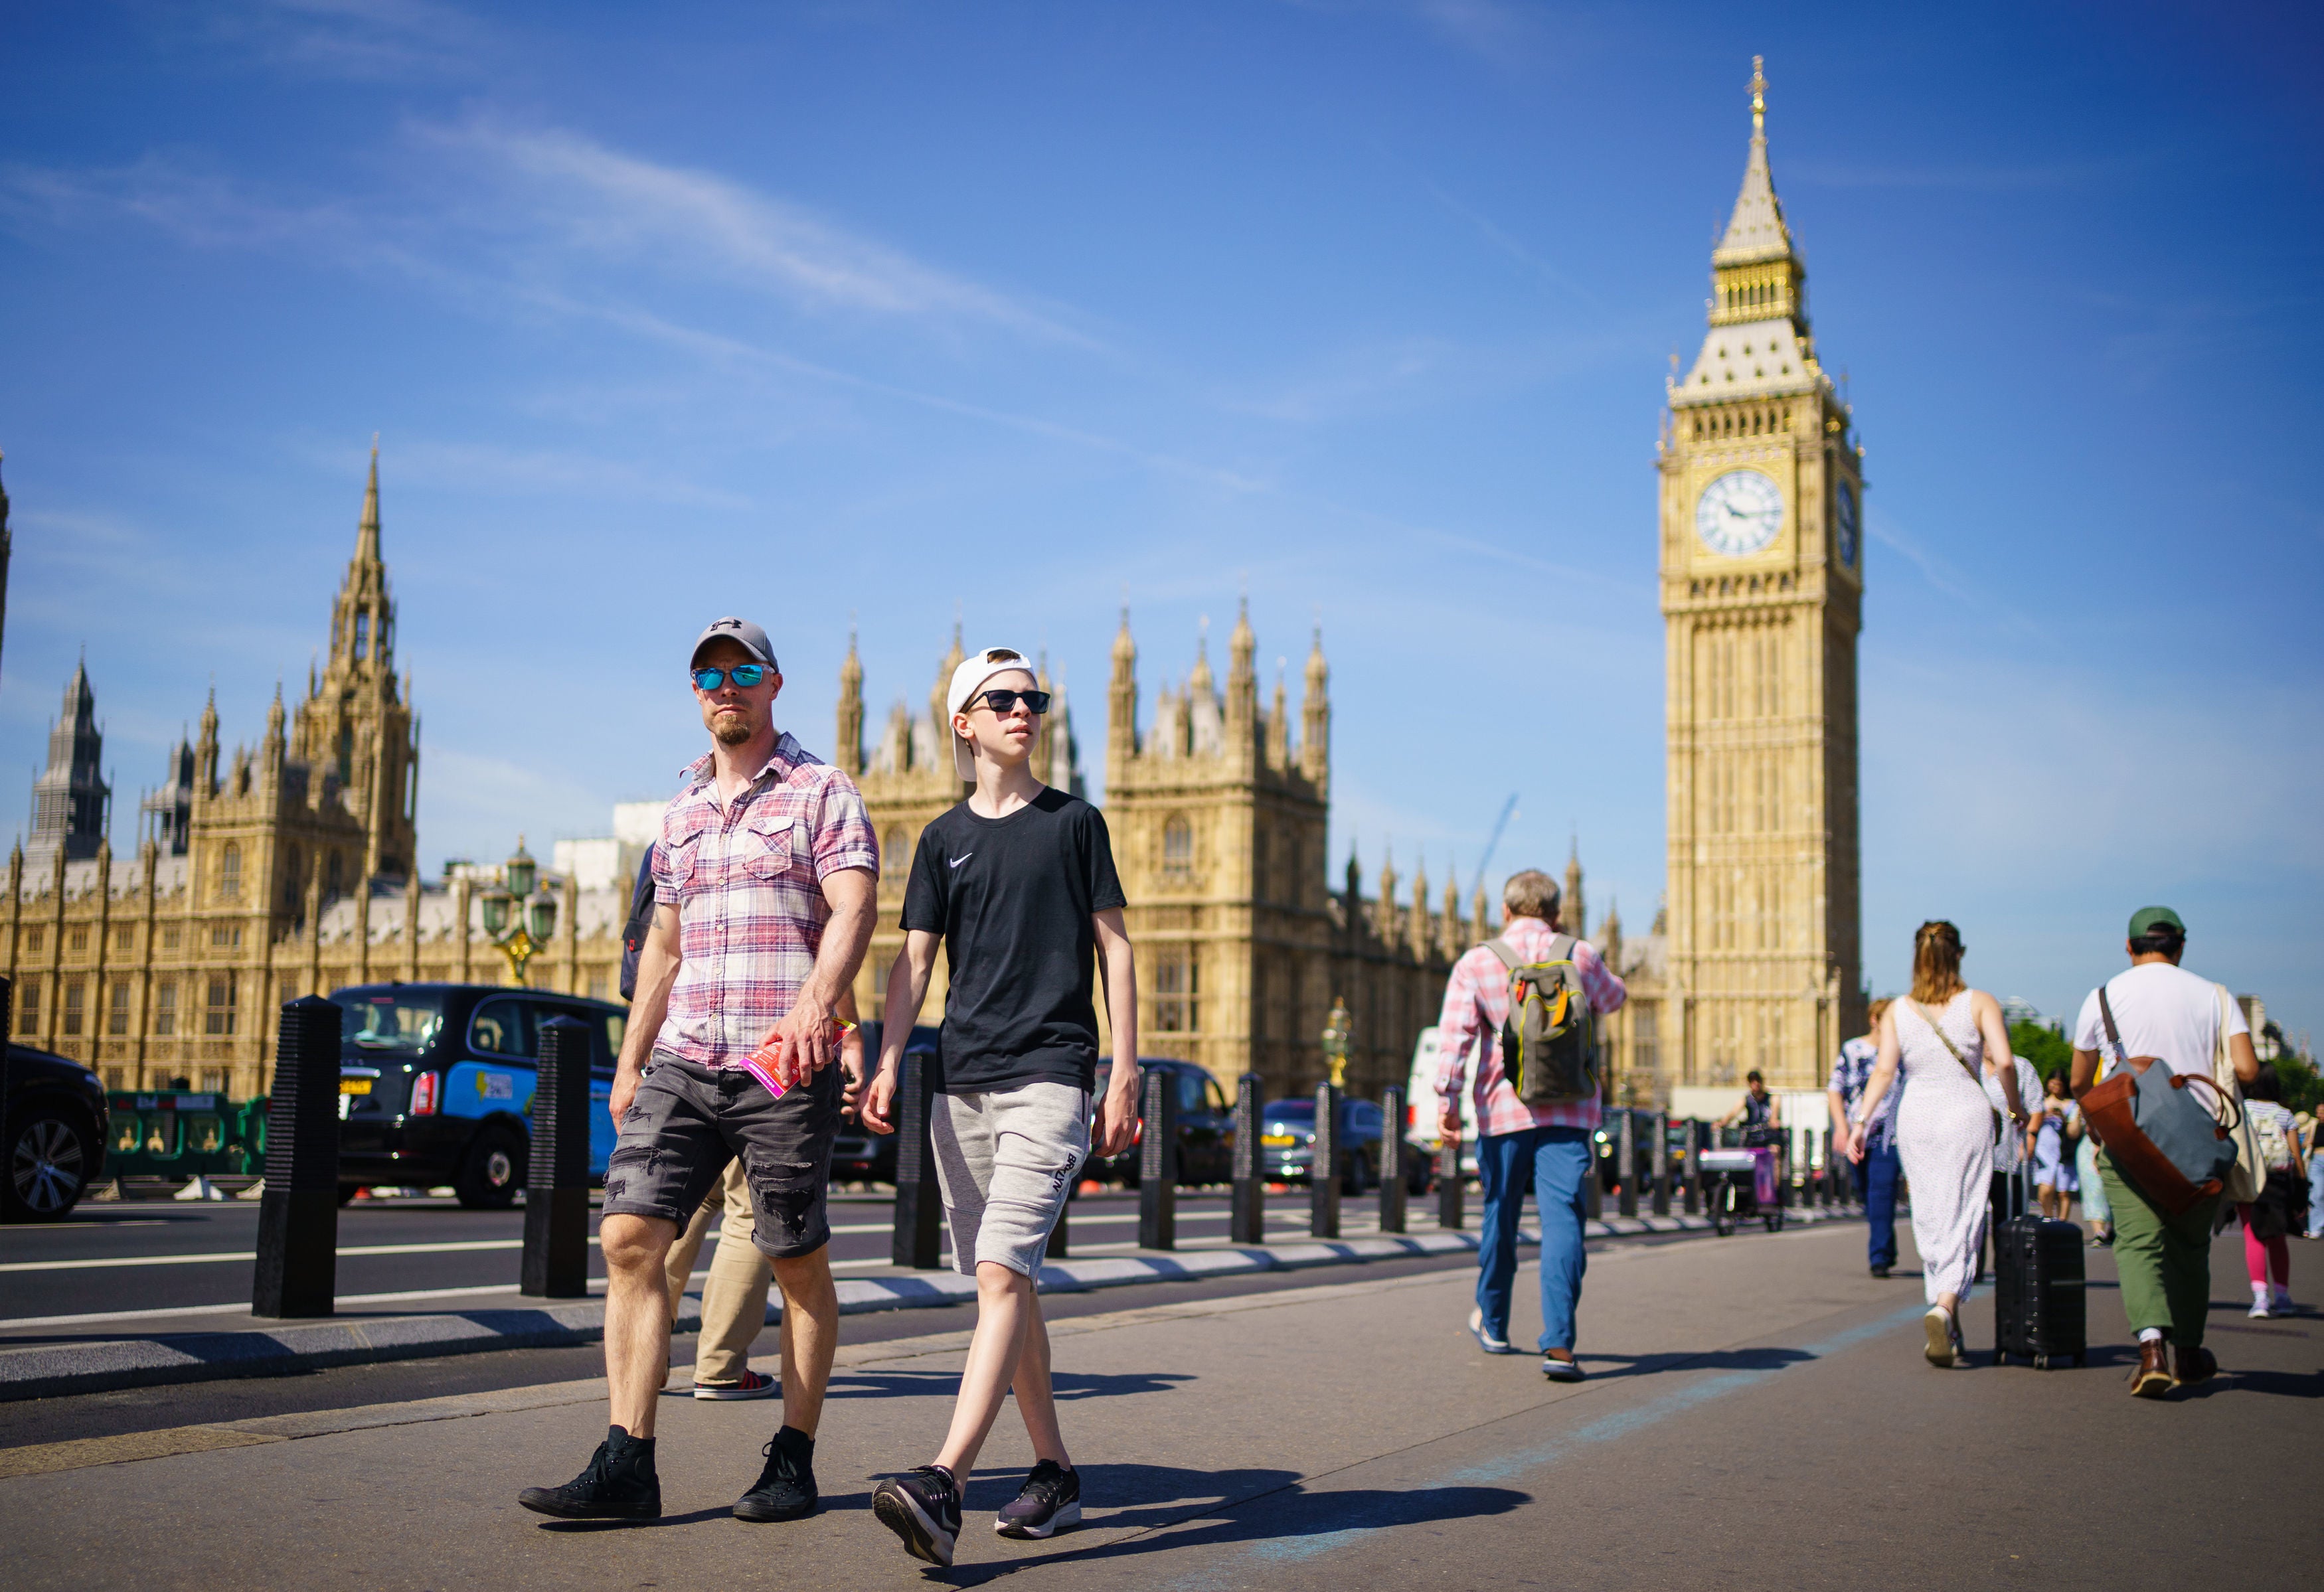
747	882
1476	1005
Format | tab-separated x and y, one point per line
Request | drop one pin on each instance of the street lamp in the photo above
1336	1041
518	918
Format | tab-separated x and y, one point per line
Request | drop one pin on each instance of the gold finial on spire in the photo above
1758	95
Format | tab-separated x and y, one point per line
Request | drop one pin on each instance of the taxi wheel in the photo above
491	1172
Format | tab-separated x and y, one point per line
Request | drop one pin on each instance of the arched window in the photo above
230	872
362	634
335	878
1177	845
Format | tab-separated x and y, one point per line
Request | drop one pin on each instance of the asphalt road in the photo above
1757	1415
168	1256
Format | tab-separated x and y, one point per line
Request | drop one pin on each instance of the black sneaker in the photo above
1051	1498
785	1489
923	1507
620	1483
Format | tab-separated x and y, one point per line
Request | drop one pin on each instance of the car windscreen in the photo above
1290	1111
398	1022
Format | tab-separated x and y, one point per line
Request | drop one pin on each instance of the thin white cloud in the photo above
372	41
593	200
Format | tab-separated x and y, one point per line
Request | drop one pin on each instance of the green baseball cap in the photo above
2147	919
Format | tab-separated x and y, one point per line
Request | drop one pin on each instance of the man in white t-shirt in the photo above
2165	1261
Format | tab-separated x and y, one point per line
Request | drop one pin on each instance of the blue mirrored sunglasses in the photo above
745	674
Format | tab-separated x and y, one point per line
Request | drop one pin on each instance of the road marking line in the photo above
77	1453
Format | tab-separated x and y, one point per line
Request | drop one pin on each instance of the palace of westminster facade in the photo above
290	867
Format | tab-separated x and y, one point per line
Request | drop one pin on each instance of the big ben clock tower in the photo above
1763	592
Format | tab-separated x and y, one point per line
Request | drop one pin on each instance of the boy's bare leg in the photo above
637	1316
1004	1310
1034	1401
810	1336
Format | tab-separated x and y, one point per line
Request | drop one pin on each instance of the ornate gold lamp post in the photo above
518	918
1335	1042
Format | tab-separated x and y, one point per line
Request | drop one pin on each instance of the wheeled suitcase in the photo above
2038	1308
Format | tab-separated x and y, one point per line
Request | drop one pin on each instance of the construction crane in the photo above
1508	810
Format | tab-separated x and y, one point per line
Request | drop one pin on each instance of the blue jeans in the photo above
2315	1195
1554	1161
1879	1172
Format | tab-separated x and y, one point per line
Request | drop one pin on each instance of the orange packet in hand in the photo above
765	1064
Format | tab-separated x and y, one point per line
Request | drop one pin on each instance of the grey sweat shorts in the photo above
1006	1159
687	1120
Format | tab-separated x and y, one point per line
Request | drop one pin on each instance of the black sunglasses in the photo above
745	674
1000	700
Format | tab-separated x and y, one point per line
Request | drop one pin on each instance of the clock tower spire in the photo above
1762	596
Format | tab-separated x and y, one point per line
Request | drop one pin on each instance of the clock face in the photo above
1848	525
1741	512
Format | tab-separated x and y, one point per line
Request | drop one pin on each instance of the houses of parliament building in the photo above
290	866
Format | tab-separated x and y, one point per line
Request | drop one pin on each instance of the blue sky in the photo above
899	310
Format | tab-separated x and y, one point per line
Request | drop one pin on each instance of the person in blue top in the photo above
1877	1172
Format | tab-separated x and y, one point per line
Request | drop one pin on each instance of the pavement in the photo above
1758	1414
181	1257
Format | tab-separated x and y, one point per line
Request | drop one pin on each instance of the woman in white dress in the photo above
1937	1038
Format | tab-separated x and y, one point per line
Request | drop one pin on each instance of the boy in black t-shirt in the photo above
1019	883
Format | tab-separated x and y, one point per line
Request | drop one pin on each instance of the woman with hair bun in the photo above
1937	1037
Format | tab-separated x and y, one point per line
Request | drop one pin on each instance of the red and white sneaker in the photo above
751	1387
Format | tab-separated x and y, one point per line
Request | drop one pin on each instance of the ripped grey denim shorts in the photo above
687	1120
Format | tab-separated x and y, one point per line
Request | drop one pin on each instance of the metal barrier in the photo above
1695	1131
1157	1163
1247	1222
920	1203
557	1183
1391	1159
299	1213
1323	1166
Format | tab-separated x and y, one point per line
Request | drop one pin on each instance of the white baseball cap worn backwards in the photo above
974	670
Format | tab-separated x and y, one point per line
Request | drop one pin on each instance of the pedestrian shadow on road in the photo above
1067	1385
1725	1359
1286	1525
694	1517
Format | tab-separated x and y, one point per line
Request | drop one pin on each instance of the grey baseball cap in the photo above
749	637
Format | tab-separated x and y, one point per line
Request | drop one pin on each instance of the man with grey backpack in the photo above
1528	1003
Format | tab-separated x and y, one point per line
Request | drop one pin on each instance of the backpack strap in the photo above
1561	948
1507	952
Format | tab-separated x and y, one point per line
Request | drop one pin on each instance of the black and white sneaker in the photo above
923	1507
1050	1500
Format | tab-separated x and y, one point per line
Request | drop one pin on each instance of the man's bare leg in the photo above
1034	1401
637	1316
810	1336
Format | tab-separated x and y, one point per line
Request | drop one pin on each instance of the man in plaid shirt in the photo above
763	904
1553	1147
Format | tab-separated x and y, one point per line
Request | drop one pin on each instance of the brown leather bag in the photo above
2110	1109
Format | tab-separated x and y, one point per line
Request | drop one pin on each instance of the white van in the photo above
1421	1106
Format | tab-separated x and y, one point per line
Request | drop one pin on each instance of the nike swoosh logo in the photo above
956	861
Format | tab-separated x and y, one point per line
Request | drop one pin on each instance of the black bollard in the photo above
557	1182
299	1213
1693	1167
919	1202
1247	1222
1593	1185
1391	1159
1449	1188
1626	1162
1157	1163
1324	1166
1662	1162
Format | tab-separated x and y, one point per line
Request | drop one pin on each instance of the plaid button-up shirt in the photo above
1849	1075
1476	1005
747	880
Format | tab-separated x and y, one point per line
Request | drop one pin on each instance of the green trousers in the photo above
2164	1262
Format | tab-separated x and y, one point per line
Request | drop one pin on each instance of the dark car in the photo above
1287	1147
436	1084
1205	1126
57	1127
858	1154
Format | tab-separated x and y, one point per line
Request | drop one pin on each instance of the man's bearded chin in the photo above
730	729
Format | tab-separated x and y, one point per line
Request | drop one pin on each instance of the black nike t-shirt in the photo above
1012	898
